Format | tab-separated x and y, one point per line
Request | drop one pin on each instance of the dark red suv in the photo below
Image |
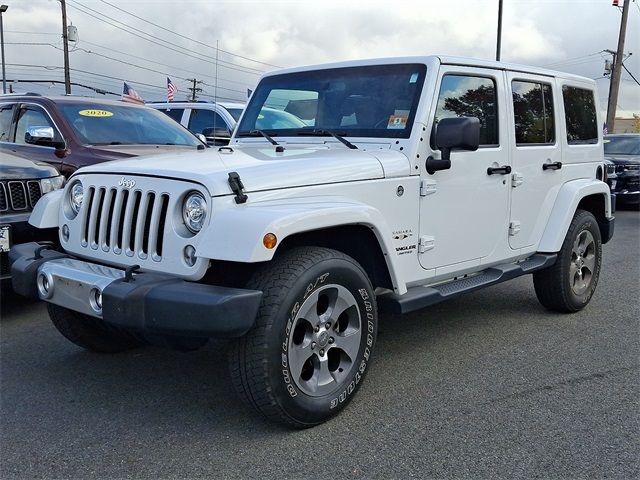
72	132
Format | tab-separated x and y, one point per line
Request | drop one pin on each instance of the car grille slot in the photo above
4	204
121	221
18	195
34	192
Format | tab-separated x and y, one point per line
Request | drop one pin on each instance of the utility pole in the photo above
195	89
3	8
614	86
499	42
65	43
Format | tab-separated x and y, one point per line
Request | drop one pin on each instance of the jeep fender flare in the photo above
565	206
237	236
46	213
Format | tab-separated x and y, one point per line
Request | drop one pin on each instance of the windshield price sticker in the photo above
397	122
95	113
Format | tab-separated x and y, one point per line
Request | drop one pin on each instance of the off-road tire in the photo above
91	333
260	361
553	285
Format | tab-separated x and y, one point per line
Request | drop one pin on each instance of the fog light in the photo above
190	255
65	232
44	285
269	241
95	299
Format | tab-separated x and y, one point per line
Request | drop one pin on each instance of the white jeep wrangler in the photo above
401	183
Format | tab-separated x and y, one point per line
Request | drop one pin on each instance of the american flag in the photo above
171	89
130	95
605	129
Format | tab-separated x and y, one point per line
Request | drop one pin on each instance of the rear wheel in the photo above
90	332
310	347
568	285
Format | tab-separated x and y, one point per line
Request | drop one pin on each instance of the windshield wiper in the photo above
255	133
323	132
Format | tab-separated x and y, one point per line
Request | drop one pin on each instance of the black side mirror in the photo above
218	135
461	133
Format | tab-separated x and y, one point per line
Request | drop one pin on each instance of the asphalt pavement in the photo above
487	386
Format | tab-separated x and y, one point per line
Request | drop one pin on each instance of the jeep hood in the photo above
262	168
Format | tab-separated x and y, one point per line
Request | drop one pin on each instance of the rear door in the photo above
535	153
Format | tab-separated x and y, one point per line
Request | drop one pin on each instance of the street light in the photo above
3	8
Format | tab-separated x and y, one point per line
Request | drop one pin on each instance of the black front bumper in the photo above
147	302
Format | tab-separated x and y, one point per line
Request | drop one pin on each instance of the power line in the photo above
172	46
571	60
631	74
187	38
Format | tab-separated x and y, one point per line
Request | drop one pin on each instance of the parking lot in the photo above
490	385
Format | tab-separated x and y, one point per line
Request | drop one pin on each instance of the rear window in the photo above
175	113
580	115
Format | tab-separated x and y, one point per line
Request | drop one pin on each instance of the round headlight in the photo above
194	212
76	196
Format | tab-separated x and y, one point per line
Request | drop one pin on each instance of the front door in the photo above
464	214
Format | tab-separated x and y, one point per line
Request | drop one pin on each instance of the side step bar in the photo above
420	296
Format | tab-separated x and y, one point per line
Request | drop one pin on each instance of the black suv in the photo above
22	183
73	132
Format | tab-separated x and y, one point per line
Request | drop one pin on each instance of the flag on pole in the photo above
171	89
130	95
605	129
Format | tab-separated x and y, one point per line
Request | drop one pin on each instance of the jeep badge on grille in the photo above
127	183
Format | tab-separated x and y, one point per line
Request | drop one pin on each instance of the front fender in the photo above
236	233
565	207
46	212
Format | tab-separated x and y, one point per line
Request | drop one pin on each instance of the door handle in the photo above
503	170
552	166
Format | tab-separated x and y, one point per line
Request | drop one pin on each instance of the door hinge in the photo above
514	228
427	187
516	179
426	243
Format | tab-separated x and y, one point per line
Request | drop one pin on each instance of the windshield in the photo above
108	124
622	145
371	101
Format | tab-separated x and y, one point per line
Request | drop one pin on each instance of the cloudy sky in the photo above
143	41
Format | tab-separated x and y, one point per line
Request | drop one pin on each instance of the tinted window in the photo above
368	101
627	145
201	119
580	115
33	117
533	112
6	113
114	124
235	113
464	96
175	113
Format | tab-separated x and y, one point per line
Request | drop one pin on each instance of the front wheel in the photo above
312	342
568	285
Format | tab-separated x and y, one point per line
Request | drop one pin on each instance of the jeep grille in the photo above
19	195
119	220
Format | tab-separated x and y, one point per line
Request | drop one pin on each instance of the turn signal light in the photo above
269	241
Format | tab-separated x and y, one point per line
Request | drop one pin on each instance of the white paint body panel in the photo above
45	213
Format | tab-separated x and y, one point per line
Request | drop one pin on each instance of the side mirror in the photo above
218	135
461	133
201	137
41	135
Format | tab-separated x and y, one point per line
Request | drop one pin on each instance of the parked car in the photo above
72	132
623	150
22	184
215	121
421	179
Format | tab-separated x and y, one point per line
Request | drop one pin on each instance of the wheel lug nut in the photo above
317	329
331	340
313	344
327	325
321	352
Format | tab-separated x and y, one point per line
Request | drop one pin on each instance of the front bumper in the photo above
145	302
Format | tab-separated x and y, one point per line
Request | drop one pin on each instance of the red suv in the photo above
72	132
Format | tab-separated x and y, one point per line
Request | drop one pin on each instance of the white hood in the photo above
261	168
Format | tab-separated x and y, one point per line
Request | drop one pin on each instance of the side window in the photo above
533	113
175	113
467	96
580	115
201	119
33	117
6	114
